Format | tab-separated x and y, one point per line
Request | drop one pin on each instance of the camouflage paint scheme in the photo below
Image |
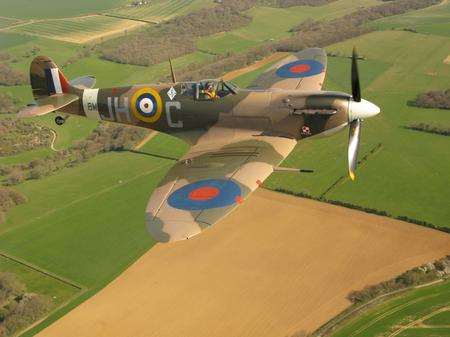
238	136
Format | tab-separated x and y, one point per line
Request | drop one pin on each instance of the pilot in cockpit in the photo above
209	90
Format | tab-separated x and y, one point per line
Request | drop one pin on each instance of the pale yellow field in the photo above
275	266
79	30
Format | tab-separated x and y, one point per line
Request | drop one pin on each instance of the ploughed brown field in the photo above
278	264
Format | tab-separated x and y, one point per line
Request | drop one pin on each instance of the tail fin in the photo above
51	89
47	79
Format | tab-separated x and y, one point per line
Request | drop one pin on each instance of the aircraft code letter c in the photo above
176	105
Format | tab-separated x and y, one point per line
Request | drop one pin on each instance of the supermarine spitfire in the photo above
238	136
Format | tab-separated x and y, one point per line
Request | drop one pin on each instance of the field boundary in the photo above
43	271
361	163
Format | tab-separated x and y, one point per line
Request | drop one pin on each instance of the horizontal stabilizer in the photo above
84	82
48	104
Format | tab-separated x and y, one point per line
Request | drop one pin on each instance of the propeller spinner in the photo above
358	110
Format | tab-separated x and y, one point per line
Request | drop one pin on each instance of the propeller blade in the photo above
356	87
353	146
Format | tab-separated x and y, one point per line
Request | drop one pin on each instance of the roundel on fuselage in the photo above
146	105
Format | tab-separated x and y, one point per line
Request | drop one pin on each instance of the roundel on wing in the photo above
300	68
146	105
206	194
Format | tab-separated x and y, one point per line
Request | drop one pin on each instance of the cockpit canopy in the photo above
206	90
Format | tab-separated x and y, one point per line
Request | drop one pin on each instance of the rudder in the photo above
46	78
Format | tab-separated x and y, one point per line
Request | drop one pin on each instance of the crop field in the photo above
417	313
273	23
79	30
42	9
255	273
6	22
160	10
433	20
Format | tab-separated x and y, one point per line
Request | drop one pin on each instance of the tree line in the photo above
8	103
434	99
106	137
173	38
19	308
10	76
435	129
8	199
18	135
426	273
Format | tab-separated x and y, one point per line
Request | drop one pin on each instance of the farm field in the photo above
392	179
6	22
111	194
273	23
42	9
65	212
288	290
433	20
110	74
160	10
416	313
79	30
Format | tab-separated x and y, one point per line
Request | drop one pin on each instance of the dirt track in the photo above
276	265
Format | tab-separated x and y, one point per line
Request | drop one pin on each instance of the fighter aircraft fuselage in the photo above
176	107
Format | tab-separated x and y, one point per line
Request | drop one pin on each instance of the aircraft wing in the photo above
209	182
304	70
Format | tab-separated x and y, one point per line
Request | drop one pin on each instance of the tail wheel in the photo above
60	120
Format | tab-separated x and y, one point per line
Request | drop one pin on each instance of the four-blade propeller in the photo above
357	111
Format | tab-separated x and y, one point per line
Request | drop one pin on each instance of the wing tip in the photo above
171	231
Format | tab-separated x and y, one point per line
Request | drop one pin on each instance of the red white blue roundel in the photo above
300	68
205	194
146	105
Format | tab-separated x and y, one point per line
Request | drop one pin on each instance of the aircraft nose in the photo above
362	110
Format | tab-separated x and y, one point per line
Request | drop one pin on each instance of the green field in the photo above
432	20
273	23
395	314
160	10
92	215
442	318
75	128
43	9
40	283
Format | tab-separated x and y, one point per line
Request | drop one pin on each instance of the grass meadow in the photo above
433	20
91	215
395	313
